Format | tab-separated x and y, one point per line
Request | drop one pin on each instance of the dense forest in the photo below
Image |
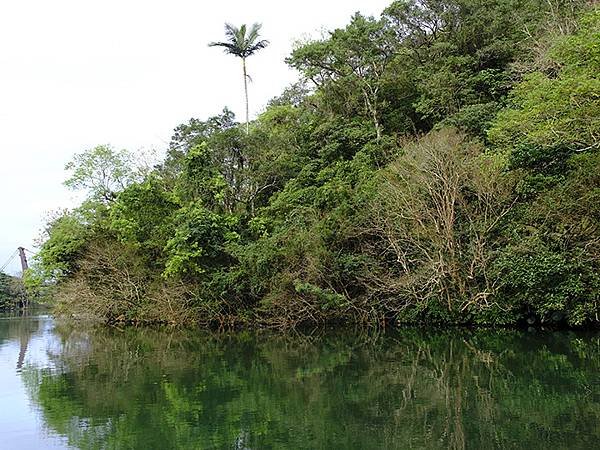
438	164
12	292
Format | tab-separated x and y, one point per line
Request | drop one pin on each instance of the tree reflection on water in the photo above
150	388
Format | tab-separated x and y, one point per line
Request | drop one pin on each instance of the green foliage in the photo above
556	115
199	240
550	266
460	53
191	134
434	164
35	286
142	215
13	292
326	298
7	292
102	172
67	237
549	285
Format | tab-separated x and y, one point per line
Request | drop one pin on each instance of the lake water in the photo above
68	387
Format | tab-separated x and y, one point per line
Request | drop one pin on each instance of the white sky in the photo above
78	73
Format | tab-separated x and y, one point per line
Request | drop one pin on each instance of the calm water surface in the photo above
67	387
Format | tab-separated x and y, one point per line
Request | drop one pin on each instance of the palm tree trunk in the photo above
246	94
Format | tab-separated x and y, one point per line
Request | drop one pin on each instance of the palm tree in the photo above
242	45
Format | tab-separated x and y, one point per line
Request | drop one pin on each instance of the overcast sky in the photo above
78	73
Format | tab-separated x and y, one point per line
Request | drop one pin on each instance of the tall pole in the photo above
25	301
23	257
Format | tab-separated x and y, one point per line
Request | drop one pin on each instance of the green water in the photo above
64	387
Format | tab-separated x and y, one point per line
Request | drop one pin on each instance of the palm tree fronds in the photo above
254	32
259	45
242	42
228	47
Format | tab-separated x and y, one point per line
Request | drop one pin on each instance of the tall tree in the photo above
352	59
102	172
242	42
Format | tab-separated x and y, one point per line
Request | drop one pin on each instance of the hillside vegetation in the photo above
12	292
437	164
